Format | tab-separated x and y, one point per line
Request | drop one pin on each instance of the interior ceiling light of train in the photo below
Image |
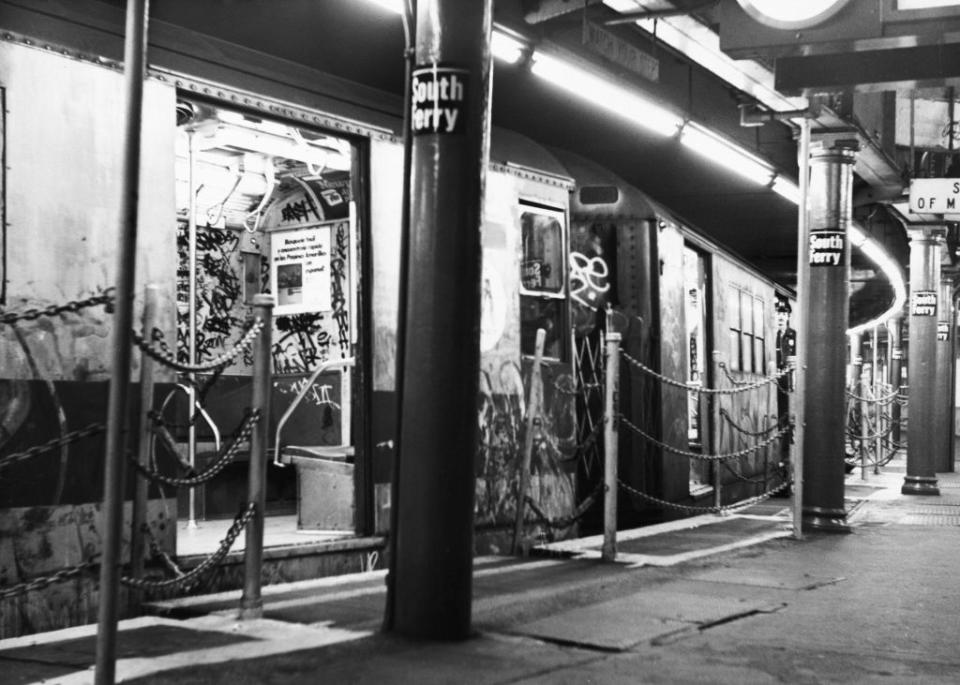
239	161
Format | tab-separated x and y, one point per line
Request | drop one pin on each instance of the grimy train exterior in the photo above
261	175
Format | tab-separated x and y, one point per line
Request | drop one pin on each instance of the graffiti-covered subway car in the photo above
249	184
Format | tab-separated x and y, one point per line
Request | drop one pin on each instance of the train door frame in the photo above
701	473
359	252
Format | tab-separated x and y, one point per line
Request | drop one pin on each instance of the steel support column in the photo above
925	248
943	406
827	254
430	592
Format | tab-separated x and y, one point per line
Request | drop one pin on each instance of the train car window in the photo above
734	362
543	297
759	342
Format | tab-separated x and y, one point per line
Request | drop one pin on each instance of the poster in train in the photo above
300	270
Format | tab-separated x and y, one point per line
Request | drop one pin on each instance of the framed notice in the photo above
300	270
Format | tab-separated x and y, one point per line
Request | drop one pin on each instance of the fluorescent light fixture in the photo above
605	93
728	155
786	189
886	265
506	48
792	15
395	6
702	45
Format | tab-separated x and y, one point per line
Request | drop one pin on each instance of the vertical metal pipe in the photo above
139	515
803	295
534	414
925	244
862	389
875	384
439	436
825	253
191	325
715	422
135	48
895	372
611	452
251	603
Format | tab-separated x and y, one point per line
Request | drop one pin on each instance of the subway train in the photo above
259	175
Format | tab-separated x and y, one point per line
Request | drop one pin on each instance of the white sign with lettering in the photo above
935	196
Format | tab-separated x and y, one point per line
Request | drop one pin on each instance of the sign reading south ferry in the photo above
943	331
923	303
439	99
827	248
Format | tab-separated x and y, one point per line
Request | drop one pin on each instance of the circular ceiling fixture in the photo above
792	15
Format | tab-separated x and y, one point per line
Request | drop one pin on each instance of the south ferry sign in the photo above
935	196
439	96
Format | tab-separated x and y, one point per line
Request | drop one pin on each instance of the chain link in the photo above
191	481
775	377
40	583
753	434
704	457
736	506
162	354
105	298
50	445
239	523
696	388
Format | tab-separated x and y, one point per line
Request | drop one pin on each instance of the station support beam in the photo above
429	592
926	244
943	411
827	268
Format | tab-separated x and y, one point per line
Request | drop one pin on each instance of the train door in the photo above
698	361
265	206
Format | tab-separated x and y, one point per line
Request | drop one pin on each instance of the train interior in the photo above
264	206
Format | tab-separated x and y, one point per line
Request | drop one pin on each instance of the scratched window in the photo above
543	302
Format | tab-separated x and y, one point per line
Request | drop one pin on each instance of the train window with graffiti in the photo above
759	340
747	339
543	303
542	261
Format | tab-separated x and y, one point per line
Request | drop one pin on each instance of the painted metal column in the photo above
432	571
896	373
943	406
826	252
134	59
925	248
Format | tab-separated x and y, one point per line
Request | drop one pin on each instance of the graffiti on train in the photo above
503	422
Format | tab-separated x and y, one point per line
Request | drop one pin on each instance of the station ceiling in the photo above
359	41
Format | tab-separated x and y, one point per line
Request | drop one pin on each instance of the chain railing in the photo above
252	430
874	422
742	441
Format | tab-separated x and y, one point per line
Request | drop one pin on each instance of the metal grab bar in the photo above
325	366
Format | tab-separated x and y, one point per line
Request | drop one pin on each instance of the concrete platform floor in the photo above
877	606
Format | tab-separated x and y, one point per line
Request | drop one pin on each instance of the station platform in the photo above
720	600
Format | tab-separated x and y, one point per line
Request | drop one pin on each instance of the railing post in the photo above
611	434
864	418
251	604
534	410
717	464
141	492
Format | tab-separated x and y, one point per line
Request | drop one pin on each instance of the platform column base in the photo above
827	520
920	485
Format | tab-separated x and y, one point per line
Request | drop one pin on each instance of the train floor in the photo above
877	605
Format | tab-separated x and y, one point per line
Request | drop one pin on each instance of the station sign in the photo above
935	196
827	248
439	97
943	331
923	303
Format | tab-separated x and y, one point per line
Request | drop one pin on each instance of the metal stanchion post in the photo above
251	604
610	448
139	514
864	419
534	410
715	404
134	56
